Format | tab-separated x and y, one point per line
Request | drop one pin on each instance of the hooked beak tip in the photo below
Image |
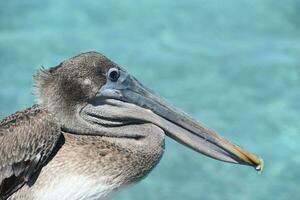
250	159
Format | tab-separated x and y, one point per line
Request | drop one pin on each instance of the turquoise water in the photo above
234	65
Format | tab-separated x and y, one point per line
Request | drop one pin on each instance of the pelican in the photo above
95	129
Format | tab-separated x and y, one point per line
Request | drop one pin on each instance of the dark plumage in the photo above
27	139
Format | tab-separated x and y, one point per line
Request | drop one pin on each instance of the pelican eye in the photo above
113	74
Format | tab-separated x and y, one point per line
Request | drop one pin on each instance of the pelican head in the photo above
91	95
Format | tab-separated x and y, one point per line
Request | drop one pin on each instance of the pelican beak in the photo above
176	124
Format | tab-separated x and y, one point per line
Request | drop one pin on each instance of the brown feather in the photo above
27	139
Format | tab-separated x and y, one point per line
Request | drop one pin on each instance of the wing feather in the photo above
27	139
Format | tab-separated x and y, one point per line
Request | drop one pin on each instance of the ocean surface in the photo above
233	65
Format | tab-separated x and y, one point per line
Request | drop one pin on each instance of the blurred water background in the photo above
234	65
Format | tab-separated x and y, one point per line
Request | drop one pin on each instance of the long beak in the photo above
178	125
